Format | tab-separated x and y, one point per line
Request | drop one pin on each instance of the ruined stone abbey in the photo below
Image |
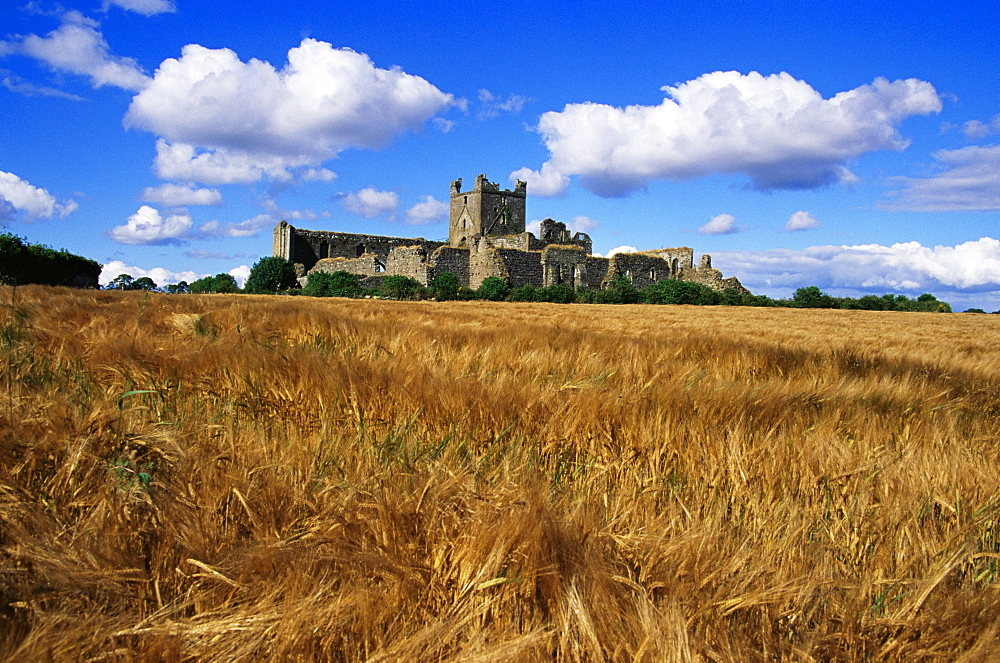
487	237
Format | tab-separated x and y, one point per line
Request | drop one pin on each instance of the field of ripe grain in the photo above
234	477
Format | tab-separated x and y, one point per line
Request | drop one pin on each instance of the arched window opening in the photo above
361	250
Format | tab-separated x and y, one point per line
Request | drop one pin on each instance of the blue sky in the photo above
850	145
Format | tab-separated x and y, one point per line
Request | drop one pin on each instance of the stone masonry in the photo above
487	237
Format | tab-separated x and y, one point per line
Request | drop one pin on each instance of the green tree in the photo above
178	288
144	283
269	275
812	297
21	262
120	282
494	289
220	283
399	287
445	286
619	291
680	292
559	293
333	284
523	293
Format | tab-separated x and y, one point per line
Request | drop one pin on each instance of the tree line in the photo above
22	262
272	275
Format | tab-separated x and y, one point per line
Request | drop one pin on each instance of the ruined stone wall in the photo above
523	267
705	274
307	247
642	269
563	263
448	259
485	261
595	271
409	261
520	242
366	265
679	258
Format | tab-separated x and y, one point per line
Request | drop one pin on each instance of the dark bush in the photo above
270	275
400	287
494	289
558	294
333	284
445	286
220	283
22	263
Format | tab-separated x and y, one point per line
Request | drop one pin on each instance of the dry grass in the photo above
237	477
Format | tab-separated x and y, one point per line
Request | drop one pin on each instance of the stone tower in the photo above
485	211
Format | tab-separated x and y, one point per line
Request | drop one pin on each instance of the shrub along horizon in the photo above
22	263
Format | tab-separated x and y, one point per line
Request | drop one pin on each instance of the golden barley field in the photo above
235	477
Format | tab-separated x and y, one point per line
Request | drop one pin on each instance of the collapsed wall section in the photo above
366	265
307	247
642	269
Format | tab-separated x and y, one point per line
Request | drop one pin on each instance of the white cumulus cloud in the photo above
180	195
582	224
148	226
144	7
222	120
34	201
370	202
972	266
492	105
241	274
253	226
160	275
546	181
428	210
78	47
723	224
776	130
619	249
968	181
801	221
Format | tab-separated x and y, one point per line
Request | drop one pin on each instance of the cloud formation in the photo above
491	105
370	202
160	275
180	195
906	267
144	7
801	221
723	224
428	210
17	85
968	181
776	130
976	129
253	226
148	226
20	196
222	120
621	249
78	47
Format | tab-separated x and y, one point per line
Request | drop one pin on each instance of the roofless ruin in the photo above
487	237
